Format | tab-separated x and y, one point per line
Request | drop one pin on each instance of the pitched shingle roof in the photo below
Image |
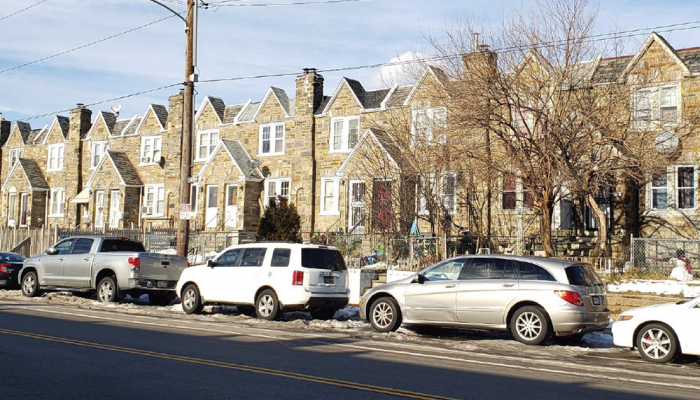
33	135
64	124
691	58
110	120
241	157
283	99
249	112
132	128
399	96
610	69
24	130
5	129
374	98
33	172
218	106
322	105
161	113
124	168
118	129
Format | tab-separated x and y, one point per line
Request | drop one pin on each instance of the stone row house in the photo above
337	157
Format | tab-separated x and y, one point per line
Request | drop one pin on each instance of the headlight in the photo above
624	318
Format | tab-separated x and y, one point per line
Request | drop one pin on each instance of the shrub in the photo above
281	222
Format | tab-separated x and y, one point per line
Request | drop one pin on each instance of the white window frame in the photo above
210	146
15	155
653	114
278	189
360	204
103	147
57	200
653	188
424	119
437	190
273	140
55	152
445	176
678	187
334	209
153	155
158	200
12	209
23	219
339	142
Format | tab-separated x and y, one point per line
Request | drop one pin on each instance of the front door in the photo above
99	208
381	205
356	216
434	300
114	214
210	214
486	289
24	200
231	206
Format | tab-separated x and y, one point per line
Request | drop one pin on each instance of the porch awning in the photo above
82	197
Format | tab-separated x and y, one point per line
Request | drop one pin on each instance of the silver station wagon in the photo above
532	297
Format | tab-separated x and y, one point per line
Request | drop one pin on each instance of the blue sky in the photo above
240	41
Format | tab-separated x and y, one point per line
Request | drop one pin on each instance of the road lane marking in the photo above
234	366
600	369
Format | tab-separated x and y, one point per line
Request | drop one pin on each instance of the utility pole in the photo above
183	228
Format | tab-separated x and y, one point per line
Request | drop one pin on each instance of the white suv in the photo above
268	279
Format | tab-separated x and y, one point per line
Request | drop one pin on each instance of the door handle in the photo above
508	284
450	286
87	258
61	259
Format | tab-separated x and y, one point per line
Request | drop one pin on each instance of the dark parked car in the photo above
10	264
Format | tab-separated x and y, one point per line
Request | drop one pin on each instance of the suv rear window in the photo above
110	245
322	259
582	275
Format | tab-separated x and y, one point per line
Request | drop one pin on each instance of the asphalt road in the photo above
65	352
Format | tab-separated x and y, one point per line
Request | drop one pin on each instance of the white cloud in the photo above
402	72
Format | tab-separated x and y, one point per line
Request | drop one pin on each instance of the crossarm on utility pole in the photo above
171	10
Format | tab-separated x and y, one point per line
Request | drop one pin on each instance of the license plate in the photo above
596	300
162	284
328	279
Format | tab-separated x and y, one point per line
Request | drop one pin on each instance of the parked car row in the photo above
533	298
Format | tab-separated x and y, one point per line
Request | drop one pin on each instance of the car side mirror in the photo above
419	278
210	263
51	251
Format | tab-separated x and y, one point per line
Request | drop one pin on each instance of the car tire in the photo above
323	314
161	299
657	343
267	306
30	284
530	325
107	290
191	300
385	315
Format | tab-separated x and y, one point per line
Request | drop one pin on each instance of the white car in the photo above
268	279
660	332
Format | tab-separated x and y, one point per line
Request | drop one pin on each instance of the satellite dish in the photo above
666	142
116	109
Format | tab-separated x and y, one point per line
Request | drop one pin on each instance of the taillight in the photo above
3	268
570	296
298	278
135	263
188	264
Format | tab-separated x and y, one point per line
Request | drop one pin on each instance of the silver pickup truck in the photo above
112	266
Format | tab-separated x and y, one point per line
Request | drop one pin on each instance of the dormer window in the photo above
15	155
99	149
345	133
656	107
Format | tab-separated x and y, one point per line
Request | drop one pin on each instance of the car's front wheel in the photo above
385	315
530	325
30	285
191	300
107	291
657	343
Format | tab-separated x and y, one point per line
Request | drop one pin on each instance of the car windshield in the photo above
11	258
322	259
110	245
583	275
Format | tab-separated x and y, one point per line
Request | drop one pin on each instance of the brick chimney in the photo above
481	60
309	92
5	128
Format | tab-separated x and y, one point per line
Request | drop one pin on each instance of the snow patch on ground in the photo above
665	287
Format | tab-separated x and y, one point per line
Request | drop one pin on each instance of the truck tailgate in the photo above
163	267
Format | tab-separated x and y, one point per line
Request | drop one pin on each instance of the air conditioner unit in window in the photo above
147	210
145	159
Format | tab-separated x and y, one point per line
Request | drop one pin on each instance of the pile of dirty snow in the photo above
660	287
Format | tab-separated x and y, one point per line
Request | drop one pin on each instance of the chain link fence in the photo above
660	256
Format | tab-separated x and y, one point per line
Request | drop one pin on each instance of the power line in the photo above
593	38
86	45
24	9
301	3
102	102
